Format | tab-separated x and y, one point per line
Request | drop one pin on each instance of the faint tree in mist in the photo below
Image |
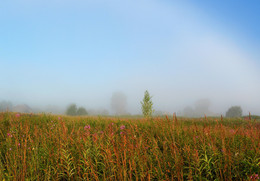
22	108
188	112
234	111
82	111
202	107
5	105
119	103
72	110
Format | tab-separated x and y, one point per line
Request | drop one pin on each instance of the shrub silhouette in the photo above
234	111
82	111
72	110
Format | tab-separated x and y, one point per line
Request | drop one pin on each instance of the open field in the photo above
46	147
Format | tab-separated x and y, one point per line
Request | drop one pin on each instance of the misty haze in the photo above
129	90
86	52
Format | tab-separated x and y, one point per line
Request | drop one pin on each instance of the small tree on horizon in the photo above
147	105
72	110
82	111
234	111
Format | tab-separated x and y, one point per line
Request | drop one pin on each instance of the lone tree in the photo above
147	105
234	111
72	110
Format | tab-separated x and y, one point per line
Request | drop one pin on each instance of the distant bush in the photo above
72	110
234	111
82	111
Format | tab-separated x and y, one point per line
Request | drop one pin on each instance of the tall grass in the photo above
46	147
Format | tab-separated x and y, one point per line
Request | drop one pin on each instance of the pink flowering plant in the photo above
254	177
87	127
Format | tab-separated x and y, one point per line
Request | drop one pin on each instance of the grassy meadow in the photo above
47	147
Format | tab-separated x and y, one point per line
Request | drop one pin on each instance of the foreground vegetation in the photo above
46	147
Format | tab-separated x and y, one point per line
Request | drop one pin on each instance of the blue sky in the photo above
58	52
